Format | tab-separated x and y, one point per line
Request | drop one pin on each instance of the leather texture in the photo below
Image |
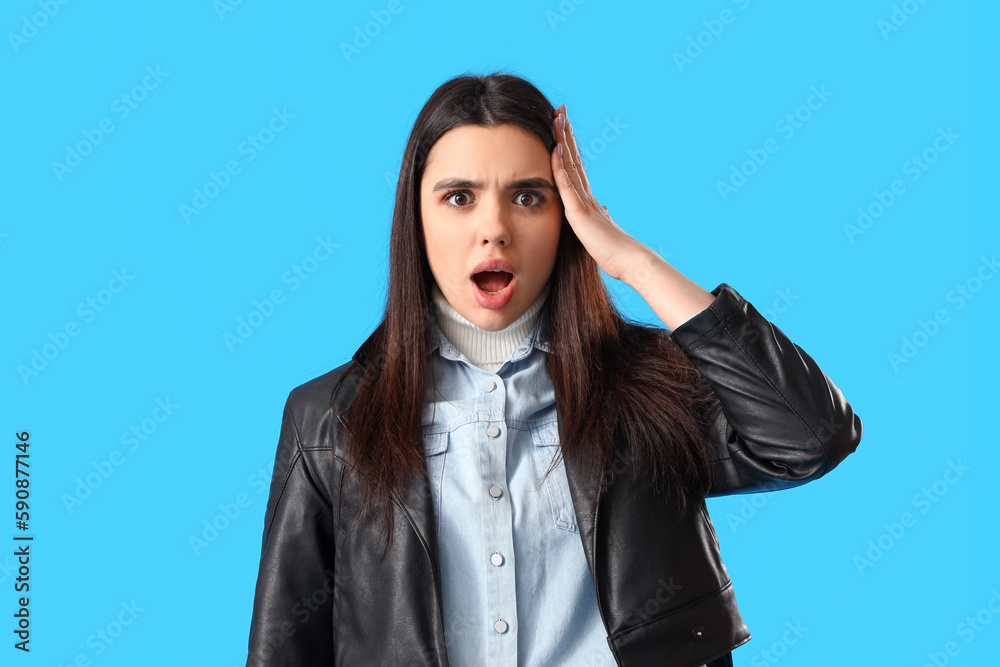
323	598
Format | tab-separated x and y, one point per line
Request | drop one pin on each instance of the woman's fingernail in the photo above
559	149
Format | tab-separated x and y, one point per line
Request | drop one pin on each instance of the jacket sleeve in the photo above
779	421
292	620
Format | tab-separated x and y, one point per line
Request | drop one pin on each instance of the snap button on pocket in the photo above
698	633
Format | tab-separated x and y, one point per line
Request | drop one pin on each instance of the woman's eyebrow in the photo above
536	182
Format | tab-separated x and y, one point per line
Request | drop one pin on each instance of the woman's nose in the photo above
493	227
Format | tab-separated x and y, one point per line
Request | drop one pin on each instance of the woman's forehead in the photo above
487	154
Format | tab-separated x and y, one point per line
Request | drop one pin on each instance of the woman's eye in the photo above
462	199
534	199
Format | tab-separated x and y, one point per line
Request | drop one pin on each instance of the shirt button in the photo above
491	385
493	431
496	491
496	559
500	626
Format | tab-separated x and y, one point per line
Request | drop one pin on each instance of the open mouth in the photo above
492	281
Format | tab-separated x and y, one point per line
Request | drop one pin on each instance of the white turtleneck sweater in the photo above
485	349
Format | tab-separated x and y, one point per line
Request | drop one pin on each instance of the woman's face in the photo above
491	215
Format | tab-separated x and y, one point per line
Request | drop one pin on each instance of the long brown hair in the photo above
608	374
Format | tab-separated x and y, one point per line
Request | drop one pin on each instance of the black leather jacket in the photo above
325	599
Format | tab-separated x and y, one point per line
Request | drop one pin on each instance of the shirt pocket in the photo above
435	451
545	441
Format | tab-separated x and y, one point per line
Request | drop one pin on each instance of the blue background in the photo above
328	177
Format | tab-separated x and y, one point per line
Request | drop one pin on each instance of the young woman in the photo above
507	472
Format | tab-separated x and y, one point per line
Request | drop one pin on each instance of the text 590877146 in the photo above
22	544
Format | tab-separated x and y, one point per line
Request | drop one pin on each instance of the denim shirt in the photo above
516	586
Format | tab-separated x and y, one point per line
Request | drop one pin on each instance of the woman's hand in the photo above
672	296
610	246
